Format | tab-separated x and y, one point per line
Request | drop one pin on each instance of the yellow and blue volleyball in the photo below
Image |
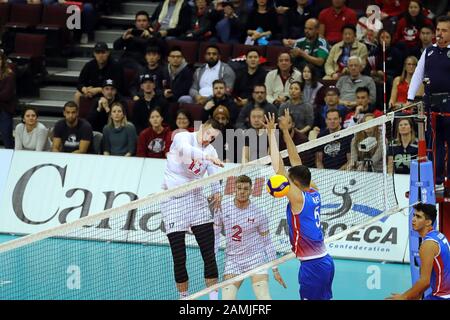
278	186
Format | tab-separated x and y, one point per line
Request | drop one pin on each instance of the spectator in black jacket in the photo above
248	77
134	42
177	78
200	28
220	99
96	72
172	18
295	18
230	19
101	108
147	103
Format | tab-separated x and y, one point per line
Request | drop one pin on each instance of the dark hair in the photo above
25	109
213	123
381	32
314	75
185	112
142	13
244	179
153	49
333	110
260	85
443	19
429	27
157	109
301	174
363	89
420	19
70	104
175	48
212	46
219	81
428	209
252	50
348	26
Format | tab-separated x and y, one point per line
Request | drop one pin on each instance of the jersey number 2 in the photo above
237	233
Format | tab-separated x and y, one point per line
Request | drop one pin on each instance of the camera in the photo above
367	144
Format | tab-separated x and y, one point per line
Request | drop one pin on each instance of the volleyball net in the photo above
100	257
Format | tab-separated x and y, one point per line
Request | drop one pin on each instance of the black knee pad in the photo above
204	234
178	247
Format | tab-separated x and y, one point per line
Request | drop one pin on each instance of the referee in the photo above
434	69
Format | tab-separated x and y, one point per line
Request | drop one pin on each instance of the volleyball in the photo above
278	186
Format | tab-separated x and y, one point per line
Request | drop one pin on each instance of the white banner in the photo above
45	190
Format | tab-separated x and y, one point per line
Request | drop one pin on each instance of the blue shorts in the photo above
316	278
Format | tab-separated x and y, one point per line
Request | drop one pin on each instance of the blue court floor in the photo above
40	272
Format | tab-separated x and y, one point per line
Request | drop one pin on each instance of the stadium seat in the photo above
130	107
24	16
4	14
53	25
196	110
241	49
272	53
30	49
129	75
85	107
225	51
189	49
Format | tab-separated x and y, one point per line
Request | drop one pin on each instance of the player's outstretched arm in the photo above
271	253
294	157
277	161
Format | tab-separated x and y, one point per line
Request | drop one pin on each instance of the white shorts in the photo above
184	211
236	265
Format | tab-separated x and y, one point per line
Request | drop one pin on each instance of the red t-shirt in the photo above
335	21
153	145
409	34
393	8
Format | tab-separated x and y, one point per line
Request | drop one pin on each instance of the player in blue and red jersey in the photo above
303	216
434	258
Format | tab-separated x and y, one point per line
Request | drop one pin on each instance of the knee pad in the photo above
229	292
261	290
211	271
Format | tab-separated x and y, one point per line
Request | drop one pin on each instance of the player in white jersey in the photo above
248	243
191	155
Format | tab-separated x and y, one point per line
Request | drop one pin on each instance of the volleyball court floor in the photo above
102	267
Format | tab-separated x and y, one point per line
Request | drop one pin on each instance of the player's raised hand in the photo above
283	122
269	121
277	276
217	201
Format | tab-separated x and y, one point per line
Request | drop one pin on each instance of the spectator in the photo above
334	154
362	108
337	62
403	149
247	78
149	101
201	89
368	26
230	20
183	121
261	24
286	121
258	101
177	78
88	18
333	19
96	71
220	99
294	20
101	108
302	112
309	49
371	160
399	95
30	134
277	81
331	103
119	135
154	68
255	138
172	18
134	42
348	84
426	37
200	27
8	101
226	151
154	141
310	84
72	134
408	27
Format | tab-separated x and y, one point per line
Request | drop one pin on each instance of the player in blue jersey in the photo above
303	216
434	258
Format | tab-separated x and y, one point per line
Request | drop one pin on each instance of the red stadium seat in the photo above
241	49
4	14
29	49
272	55
85	107
189	49
225	51
24	16
129	76
53	25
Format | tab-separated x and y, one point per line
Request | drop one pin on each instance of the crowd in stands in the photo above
328	72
